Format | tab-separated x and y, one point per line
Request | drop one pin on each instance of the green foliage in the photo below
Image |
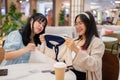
12	21
12	7
62	18
34	11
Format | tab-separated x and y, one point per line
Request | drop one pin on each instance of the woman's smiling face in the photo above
80	26
38	27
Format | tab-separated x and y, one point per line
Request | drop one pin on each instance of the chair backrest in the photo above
110	67
112	46
2	54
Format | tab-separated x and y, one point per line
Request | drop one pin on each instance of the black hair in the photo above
26	31
91	29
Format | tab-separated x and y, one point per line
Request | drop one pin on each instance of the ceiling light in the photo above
27	0
117	1
20	1
93	3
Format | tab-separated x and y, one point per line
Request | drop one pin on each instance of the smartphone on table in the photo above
3	72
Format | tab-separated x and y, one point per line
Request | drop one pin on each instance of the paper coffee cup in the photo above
59	70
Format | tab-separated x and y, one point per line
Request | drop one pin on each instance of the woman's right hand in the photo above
30	47
70	44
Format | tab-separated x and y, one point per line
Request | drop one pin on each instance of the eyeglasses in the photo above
79	23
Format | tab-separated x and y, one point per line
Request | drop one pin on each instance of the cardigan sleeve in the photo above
47	51
90	59
42	47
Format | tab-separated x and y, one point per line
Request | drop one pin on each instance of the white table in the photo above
32	71
108	39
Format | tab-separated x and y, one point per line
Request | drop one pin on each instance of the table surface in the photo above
32	71
108	39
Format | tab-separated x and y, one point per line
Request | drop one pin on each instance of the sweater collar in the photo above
54	42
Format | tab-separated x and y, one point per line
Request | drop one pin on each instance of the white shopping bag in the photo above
38	57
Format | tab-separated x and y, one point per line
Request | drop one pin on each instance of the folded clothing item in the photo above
53	42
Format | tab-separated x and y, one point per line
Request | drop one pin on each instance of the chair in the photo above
110	67
112	47
2	53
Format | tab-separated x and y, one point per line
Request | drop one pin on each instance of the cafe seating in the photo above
112	47
2	53
110	67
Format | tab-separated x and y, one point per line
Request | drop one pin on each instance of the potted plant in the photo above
62	18
12	21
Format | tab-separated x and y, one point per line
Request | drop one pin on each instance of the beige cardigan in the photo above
90	60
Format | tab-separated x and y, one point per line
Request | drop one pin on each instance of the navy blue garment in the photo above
58	39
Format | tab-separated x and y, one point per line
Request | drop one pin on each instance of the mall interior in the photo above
61	14
104	11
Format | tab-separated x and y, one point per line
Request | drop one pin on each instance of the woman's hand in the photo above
42	38
30	47
17	53
70	44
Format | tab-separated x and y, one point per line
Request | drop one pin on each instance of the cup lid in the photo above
60	65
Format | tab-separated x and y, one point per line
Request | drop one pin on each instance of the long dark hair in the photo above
91	29
26	31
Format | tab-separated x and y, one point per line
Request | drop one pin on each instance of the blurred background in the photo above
55	10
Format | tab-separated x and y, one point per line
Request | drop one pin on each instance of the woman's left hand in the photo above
42	38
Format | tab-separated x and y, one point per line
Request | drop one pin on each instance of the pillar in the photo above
0	11
33	6
76	6
57	6
16	2
18	6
